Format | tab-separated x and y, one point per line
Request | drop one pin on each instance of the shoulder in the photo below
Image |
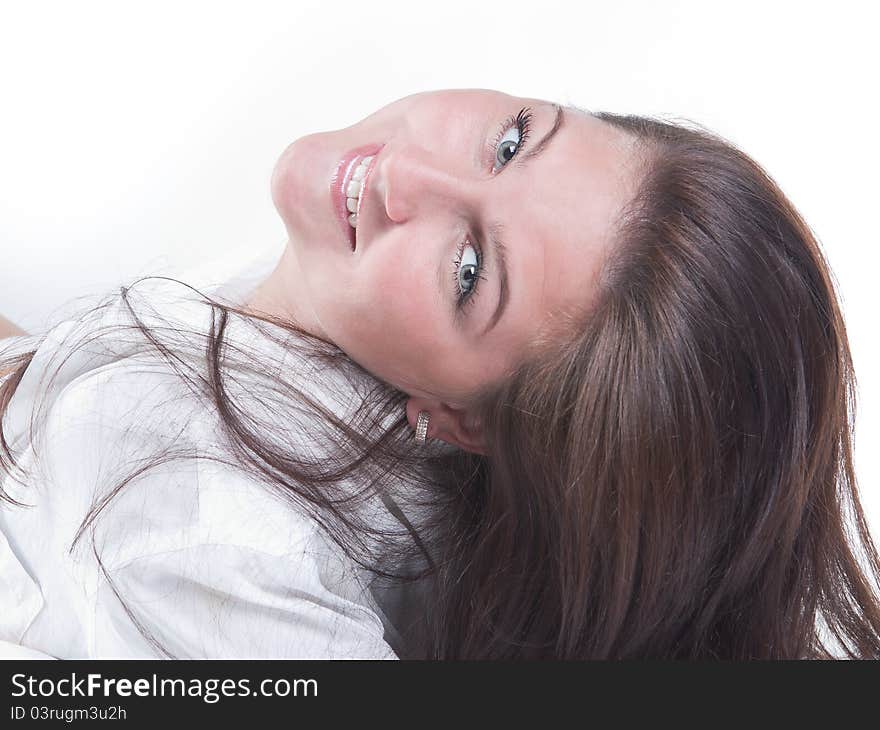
227	601
196	558
209	563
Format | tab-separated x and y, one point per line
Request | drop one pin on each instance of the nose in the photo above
416	179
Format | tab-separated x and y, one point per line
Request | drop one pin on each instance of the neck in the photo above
278	296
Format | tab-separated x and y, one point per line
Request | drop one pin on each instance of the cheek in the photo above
390	326
396	304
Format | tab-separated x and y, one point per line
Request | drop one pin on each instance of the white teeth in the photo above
361	169
353	191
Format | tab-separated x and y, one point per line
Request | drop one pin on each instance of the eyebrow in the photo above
495	230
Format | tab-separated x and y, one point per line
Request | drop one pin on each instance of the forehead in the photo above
571	194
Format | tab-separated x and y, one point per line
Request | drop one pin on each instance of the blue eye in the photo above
468	266
466	271
505	149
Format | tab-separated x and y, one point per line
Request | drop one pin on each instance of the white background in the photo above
139	138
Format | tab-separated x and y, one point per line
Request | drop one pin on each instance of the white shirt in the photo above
210	562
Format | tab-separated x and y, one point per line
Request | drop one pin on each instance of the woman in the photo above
638	411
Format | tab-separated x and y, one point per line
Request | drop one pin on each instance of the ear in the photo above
447	423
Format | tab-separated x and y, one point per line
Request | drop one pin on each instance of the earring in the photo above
422	426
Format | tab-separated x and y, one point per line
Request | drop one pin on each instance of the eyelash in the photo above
522	121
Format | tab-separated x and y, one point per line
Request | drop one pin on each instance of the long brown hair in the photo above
671	477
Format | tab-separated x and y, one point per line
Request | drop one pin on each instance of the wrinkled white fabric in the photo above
208	561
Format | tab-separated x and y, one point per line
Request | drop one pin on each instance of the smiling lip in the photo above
339	182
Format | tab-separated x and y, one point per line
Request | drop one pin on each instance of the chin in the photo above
283	188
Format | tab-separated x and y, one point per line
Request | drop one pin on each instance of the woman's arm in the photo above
7	329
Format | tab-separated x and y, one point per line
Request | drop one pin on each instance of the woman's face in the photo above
423	301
